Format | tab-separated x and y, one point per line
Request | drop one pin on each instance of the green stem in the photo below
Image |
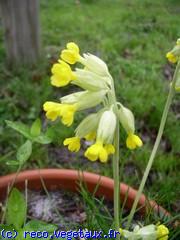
156	145
116	180
116	163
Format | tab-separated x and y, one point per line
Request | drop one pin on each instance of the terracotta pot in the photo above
55	179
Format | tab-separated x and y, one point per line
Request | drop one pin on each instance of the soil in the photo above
66	209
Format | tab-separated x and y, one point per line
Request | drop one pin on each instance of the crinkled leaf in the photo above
24	152
16	209
36	128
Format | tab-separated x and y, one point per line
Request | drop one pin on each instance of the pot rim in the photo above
69	179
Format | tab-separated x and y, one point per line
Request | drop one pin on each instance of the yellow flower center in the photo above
133	141
73	144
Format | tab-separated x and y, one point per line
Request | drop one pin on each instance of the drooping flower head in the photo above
98	89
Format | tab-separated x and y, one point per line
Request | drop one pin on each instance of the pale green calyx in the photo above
89	80
145	233
126	118
88	124
106	127
84	99
95	64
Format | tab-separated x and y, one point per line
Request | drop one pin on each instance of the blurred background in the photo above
132	36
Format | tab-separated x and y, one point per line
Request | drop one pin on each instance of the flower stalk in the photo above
156	145
116	181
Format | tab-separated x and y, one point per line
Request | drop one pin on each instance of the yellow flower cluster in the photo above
97	84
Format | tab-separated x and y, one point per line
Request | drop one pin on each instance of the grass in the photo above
132	37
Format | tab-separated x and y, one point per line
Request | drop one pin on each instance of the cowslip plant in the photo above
100	127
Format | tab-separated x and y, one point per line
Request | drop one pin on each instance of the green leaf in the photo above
36	128
24	152
36	225
21	128
43	139
16	209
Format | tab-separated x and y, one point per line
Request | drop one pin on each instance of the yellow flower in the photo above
62	74
174	55
65	111
73	144
71	54
133	141
90	136
98	151
162	232
52	110
171	57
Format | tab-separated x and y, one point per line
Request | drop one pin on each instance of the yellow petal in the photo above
162	232
171	57
73	46
133	141
73	144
